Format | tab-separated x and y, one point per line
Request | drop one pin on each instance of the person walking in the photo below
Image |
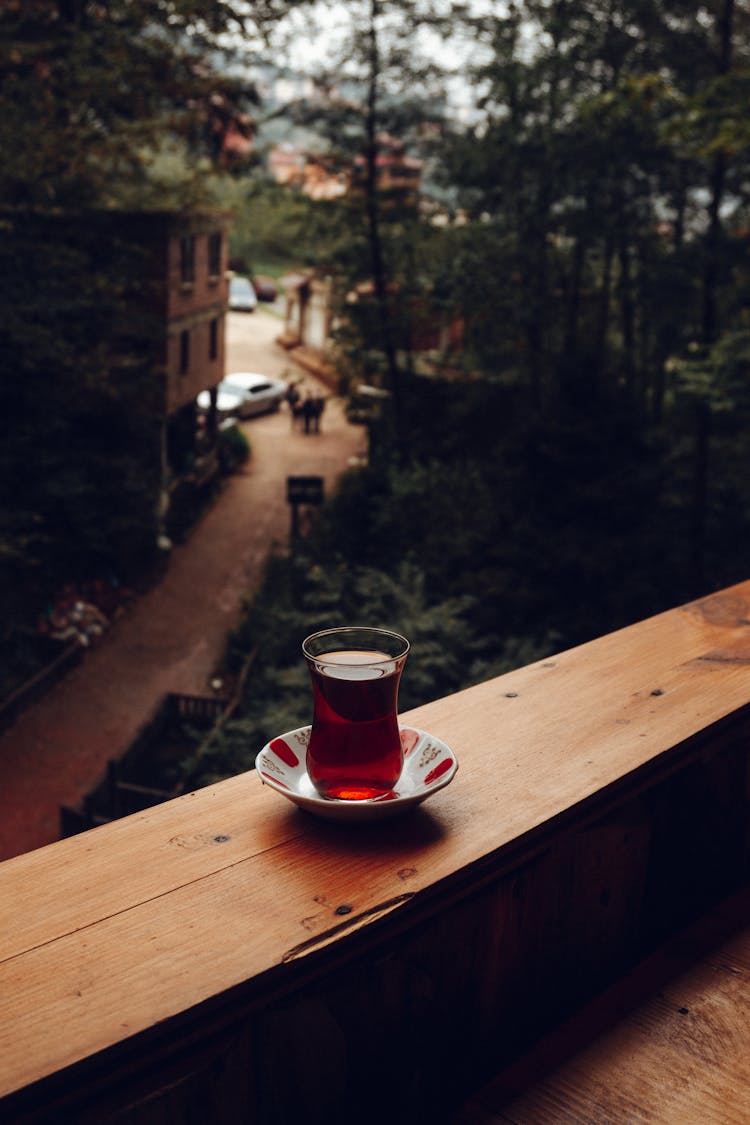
308	412
318	406
292	398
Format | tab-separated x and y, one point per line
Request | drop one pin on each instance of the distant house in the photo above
308	310
420	323
308	321
232	133
309	173
397	175
286	165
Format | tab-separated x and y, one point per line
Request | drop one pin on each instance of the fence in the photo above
33	688
135	781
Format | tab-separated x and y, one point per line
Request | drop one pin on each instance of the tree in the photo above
91	91
590	165
90	95
380	85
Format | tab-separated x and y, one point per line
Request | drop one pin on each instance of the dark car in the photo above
265	288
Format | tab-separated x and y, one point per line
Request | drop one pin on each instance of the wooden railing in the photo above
225	957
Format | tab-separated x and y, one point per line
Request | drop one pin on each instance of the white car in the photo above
245	394
229	401
242	296
263	391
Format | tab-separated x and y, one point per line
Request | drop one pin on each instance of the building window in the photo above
187	259
214	254
213	339
184	352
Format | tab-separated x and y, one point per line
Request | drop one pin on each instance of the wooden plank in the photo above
142	919
530	744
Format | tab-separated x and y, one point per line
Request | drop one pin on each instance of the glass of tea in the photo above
355	751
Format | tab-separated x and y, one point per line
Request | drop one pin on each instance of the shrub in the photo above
233	448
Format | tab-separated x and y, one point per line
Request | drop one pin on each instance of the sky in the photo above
321	32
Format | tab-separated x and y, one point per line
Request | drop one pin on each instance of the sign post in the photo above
303	491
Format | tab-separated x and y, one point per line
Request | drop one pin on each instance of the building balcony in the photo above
225	957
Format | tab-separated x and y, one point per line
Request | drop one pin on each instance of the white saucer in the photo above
429	765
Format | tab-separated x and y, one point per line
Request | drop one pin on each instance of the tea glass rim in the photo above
374	630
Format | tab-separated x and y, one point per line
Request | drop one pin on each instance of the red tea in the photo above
355	746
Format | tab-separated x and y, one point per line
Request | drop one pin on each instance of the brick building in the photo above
192	301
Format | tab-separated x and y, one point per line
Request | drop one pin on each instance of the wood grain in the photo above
113	932
679	1052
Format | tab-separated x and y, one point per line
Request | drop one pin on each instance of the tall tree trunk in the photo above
680	205
718	180
713	251
377	260
536	315
659	388
574	298
605	297
701	481
699	499
627	318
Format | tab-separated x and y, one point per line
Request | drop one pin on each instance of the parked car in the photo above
229	401
244	395
242	296
263	391
265	288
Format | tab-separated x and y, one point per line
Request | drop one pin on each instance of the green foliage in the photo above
301	595
514	543
94	94
79	463
712	450
720	376
587	172
233	448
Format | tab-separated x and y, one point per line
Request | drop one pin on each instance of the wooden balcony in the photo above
226	958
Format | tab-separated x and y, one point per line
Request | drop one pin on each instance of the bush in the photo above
300	594
233	448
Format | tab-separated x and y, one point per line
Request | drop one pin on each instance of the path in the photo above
171	638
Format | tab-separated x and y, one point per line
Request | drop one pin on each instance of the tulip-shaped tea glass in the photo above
355	752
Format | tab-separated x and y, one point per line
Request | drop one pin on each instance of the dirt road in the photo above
171	638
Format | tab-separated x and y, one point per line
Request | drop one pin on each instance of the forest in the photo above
579	460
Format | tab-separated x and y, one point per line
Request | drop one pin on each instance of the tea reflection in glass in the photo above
355	748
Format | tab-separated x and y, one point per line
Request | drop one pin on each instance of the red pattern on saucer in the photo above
284	751
438	771
409	739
